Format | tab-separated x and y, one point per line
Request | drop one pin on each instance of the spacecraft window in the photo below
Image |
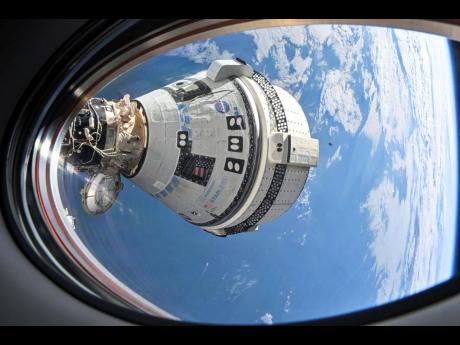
268	175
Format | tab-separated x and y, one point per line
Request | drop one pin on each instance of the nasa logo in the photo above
222	106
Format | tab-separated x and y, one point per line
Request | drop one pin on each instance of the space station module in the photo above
224	148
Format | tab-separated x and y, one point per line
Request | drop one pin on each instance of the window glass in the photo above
374	219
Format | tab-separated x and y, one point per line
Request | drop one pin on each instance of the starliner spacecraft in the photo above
224	148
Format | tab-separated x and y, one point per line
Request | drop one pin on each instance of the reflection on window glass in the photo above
373	221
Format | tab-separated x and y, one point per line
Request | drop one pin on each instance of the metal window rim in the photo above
85	73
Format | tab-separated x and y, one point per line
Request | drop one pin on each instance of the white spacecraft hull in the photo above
233	153
223	148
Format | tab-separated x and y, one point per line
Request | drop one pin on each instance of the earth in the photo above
376	220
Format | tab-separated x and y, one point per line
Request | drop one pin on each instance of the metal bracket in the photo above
292	149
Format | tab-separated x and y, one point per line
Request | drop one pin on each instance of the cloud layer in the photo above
411	84
201	52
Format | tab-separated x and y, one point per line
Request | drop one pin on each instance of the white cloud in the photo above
292	73
287	303
268	39
368	84
333	130
372	127
391	103
205	268
389	223
303	203
335	157
201	52
337	94
302	240
319	33
267	318
397	162
347	42
338	99
285	234
415	111
241	282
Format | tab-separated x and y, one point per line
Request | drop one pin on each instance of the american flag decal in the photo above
195	168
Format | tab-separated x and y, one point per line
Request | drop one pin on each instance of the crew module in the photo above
224	148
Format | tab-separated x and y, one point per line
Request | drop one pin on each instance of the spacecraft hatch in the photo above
224	148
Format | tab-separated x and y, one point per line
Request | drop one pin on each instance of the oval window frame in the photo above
96	54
